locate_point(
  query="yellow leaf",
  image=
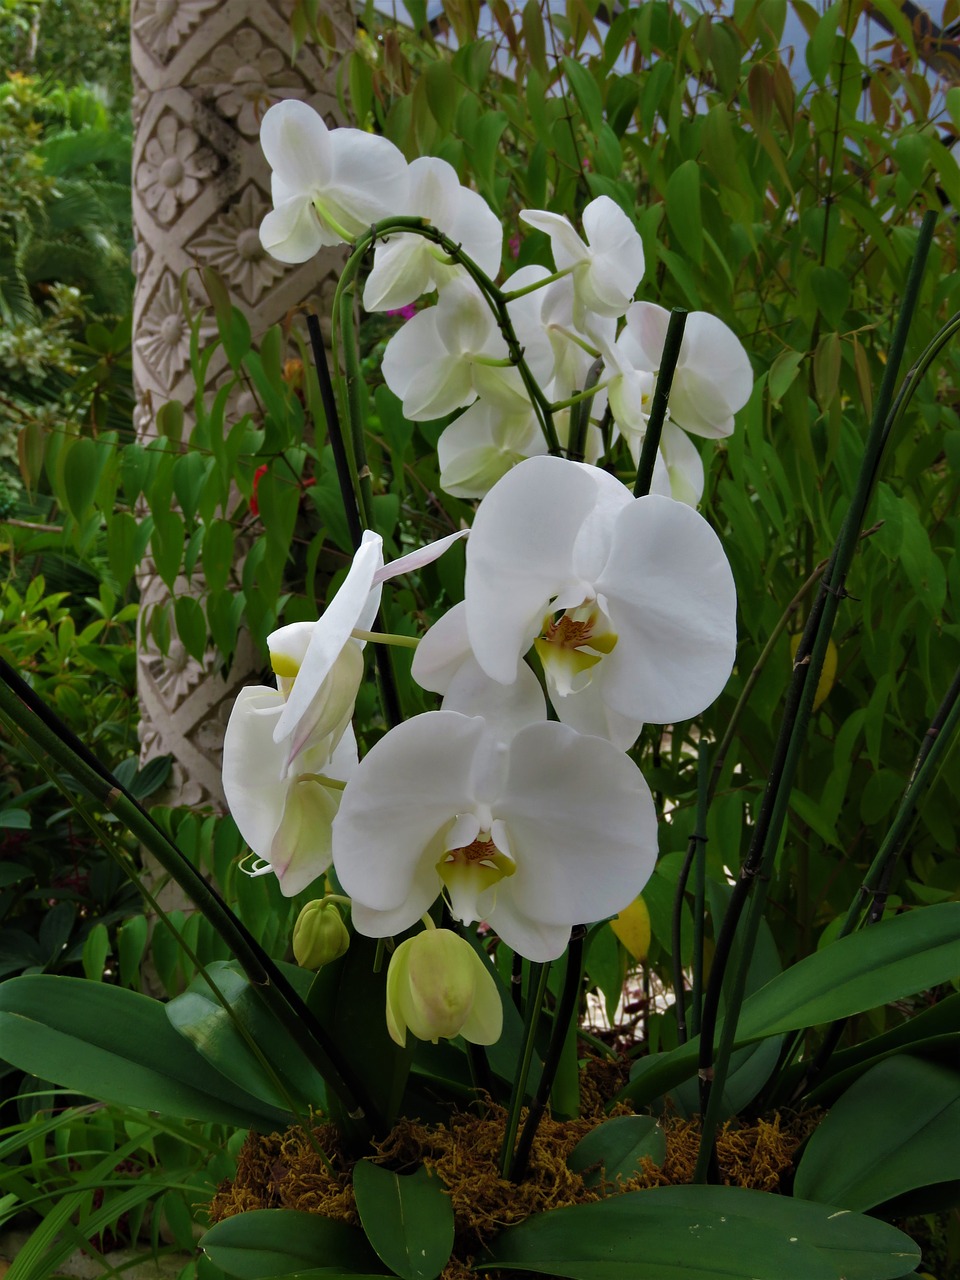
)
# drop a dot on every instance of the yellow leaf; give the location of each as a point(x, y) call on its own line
point(827, 676)
point(632, 927)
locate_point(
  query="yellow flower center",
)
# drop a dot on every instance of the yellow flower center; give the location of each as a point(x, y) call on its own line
point(572, 644)
point(469, 871)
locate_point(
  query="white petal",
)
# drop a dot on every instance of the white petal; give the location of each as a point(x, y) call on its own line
point(296, 144)
point(568, 248)
point(674, 609)
point(507, 708)
point(292, 233)
point(369, 179)
point(442, 651)
point(390, 832)
point(253, 767)
point(587, 712)
point(328, 639)
point(415, 560)
point(400, 273)
point(520, 556)
point(582, 826)
point(301, 849)
point(681, 464)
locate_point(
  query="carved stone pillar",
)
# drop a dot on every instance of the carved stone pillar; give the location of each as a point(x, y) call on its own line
point(204, 73)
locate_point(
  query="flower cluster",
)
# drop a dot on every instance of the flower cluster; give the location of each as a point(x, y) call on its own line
point(527, 821)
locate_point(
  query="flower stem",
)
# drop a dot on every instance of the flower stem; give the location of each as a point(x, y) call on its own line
point(696, 858)
point(758, 865)
point(580, 418)
point(335, 434)
point(386, 637)
point(567, 1010)
point(658, 410)
point(535, 993)
point(511, 294)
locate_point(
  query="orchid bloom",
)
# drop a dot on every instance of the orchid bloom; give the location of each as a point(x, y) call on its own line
point(328, 185)
point(287, 751)
point(449, 354)
point(533, 833)
point(481, 445)
point(629, 598)
point(606, 267)
point(713, 378)
point(406, 265)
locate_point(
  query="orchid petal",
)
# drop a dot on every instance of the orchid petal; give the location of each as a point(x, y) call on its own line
point(442, 651)
point(296, 144)
point(418, 559)
point(520, 557)
point(255, 791)
point(292, 233)
point(674, 610)
point(328, 639)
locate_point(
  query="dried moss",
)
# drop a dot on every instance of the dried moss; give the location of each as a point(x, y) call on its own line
point(286, 1171)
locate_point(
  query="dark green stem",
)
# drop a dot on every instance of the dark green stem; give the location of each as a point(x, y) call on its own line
point(535, 993)
point(39, 724)
point(808, 664)
point(658, 410)
point(567, 1010)
point(335, 434)
point(580, 415)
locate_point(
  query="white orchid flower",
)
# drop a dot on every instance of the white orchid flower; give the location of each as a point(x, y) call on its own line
point(633, 594)
point(533, 835)
point(406, 265)
point(447, 355)
point(606, 267)
point(678, 470)
point(284, 747)
point(713, 377)
point(328, 185)
point(483, 444)
point(285, 817)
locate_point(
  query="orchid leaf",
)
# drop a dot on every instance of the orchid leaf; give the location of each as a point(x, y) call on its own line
point(408, 1219)
point(265, 1243)
point(705, 1233)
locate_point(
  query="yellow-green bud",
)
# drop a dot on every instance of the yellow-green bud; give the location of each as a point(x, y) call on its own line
point(319, 935)
point(437, 985)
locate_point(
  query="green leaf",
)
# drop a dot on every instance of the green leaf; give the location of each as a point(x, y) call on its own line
point(705, 1233)
point(895, 1130)
point(81, 475)
point(170, 420)
point(821, 45)
point(279, 1242)
point(189, 476)
point(586, 92)
point(191, 625)
point(96, 947)
point(122, 547)
point(615, 1149)
point(407, 1218)
point(117, 1045)
point(895, 958)
point(199, 1016)
point(443, 93)
point(683, 208)
point(131, 945)
point(217, 554)
point(166, 545)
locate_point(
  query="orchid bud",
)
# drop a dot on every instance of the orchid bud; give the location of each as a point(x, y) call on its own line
point(319, 935)
point(437, 985)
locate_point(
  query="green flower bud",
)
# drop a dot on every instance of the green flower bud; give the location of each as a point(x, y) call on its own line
point(319, 935)
point(437, 985)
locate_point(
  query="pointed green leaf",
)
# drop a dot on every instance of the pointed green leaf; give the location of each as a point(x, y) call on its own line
point(280, 1242)
point(895, 1130)
point(117, 1045)
point(408, 1219)
point(705, 1233)
point(683, 208)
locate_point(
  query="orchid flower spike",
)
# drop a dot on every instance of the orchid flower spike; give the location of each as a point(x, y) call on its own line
point(328, 185)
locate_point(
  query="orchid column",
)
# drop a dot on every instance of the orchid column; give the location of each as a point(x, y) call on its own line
point(204, 74)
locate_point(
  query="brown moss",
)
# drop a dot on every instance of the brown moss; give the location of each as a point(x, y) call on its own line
point(287, 1170)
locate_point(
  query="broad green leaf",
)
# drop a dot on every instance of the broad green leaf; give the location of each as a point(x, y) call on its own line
point(821, 45)
point(81, 475)
point(586, 92)
point(683, 208)
point(443, 92)
point(170, 420)
point(408, 1218)
point(166, 544)
point(122, 545)
point(895, 958)
point(96, 947)
point(895, 1130)
point(278, 1242)
point(217, 554)
point(200, 1017)
point(705, 1233)
point(117, 1045)
point(191, 625)
point(614, 1150)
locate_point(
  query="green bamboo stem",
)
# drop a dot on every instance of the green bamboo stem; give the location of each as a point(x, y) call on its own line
point(758, 865)
point(33, 718)
point(535, 993)
point(658, 410)
point(567, 1011)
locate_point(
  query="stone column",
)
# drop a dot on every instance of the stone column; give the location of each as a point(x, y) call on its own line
point(204, 72)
